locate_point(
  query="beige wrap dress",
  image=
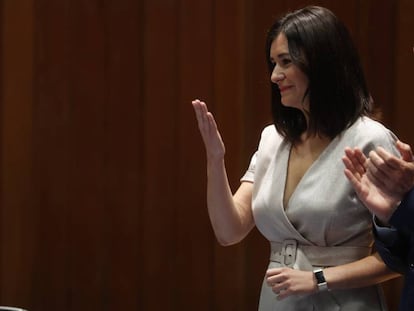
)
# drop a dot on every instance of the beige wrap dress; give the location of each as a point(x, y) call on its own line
point(324, 223)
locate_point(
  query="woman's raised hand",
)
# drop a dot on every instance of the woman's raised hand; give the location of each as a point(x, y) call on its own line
point(215, 149)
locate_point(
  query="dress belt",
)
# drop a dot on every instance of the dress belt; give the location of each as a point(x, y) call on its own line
point(286, 252)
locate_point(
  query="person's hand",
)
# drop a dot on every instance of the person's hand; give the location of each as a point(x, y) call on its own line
point(382, 180)
point(393, 175)
point(286, 282)
point(378, 202)
point(208, 128)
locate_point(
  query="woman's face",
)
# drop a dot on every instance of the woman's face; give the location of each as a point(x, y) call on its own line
point(292, 82)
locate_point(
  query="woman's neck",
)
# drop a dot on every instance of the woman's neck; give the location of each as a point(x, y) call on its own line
point(312, 143)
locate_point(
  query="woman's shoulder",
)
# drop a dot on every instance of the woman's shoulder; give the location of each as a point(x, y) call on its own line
point(269, 130)
point(366, 127)
point(368, 133)
point(270, 139)
point(270, 134)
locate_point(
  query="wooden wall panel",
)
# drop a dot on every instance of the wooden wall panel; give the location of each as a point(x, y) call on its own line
point(52, 156)
point(87, 218)
point(193, 275)
point(103, 170)
point(160, 46)
point(402, 71)
point(376, 25)
point(17, 219)
point(124, 149)
point(140, 158)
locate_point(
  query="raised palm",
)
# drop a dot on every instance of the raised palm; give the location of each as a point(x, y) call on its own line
point(213, 142)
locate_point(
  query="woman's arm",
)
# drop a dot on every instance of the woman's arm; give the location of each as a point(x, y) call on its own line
point(370, 270)
point(364, 272)
point(231, 216)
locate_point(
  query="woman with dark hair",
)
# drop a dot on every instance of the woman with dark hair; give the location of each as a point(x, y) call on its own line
point(294, 190)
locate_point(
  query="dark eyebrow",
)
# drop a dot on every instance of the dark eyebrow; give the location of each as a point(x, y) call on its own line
point(283, 55)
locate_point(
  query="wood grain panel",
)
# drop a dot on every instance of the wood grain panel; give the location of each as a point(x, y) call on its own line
point(160, 156)
point(52, 156)
point(402, 74)
point(194, 266)
point(16, 180)
point(88, 216)
point(123, 147)
point(376, 31)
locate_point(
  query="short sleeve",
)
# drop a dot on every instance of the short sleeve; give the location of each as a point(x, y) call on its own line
point(249, 175)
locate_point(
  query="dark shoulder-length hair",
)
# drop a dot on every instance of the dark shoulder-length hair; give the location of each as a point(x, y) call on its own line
point(321, 46)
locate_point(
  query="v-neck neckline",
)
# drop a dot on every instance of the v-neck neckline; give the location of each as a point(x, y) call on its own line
point(318, 159)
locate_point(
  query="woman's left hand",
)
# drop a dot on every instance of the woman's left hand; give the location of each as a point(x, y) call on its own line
point(286, 282)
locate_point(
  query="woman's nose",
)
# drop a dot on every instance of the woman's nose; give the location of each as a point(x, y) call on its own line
point(277, 76)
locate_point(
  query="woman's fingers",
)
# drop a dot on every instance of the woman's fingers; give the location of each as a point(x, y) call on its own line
point(208, 129)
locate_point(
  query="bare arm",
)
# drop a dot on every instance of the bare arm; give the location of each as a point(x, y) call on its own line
point(364, 272)
point(367, 271)
point(231, 216)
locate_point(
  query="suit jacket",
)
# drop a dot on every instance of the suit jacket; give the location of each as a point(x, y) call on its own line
point(396, 247)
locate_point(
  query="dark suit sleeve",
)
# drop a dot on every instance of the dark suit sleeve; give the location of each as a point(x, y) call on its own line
point(403, 217)
point(392, 246)
point(393, 243)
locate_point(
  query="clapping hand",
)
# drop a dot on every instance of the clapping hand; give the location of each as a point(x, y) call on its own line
point(381, 180)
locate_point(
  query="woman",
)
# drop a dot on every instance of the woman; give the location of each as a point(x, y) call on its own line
point(295, 191)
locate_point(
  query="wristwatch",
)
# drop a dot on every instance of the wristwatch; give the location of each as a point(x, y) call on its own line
point(320, 280)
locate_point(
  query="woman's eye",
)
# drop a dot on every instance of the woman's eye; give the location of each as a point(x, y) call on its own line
point(286, 61)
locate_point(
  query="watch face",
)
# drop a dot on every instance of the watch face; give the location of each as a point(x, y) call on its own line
point(319, 277)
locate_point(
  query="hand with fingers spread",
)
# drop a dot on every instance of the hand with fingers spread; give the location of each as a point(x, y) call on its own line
point(381, 180)
point(209, 132)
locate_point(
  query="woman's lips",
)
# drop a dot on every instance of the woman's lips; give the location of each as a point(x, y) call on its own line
point(284, 88)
